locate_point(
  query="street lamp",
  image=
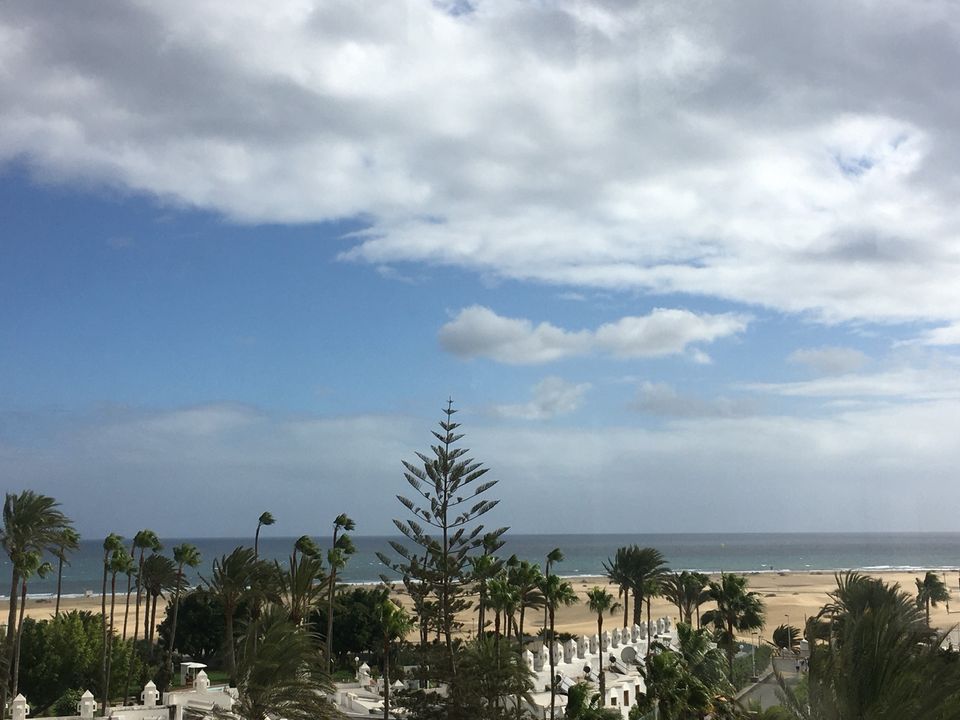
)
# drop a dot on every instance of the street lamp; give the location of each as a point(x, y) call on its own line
point(753, 654)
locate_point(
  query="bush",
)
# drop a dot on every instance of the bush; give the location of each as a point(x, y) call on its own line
point(67, 703)
point(743, 665)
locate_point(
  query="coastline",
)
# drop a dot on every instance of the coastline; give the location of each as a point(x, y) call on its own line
point(790, 597)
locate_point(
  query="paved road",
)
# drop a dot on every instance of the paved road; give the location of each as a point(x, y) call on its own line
point(766, 692)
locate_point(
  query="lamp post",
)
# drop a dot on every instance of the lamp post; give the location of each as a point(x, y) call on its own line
point(753, 654)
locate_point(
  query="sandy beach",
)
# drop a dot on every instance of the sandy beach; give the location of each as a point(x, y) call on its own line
point(788, 597)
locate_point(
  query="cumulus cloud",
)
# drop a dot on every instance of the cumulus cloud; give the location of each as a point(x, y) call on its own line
point(552, 396)
point(829, 360)
point(477, 331)
point(781, 157)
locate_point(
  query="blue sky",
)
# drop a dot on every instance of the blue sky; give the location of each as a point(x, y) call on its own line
point(655, 259)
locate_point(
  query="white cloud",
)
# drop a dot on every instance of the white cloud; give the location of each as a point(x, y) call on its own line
point(829, 360)
point(786, 158)
point(942, 336)
point(477, 331)
point(552, 397)
point(907, 383)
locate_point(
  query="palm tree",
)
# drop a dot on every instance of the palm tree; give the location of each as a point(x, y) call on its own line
point(504, 600)
point(300, 586)
point(393, 623)
point(688, 591)
point(556, 593)
point(602, 603)
point(483, 568)
point(306, 545)
point(280, 674)
point(617, 572)
point(31, 522)
point(159, 575)
point(930, 591)
point(30, 565)
point(230, 581)
point(144, 540)
point(265, 519)
point(738, 609)
point(183, 554)
point(526, 578)
point(877, 659)
point(68, 541)
point(554, 556)
point(111, 544)
point(340, 549)
point(120, 562)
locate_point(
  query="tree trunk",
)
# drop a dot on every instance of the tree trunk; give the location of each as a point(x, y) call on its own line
point(330, 593)
point(11, 635)
point(18, 637)
point(56, 610)
point(626, 606)
point(637, 607)
point(256, 543)
point(386, 679)
point(553, 670)
point(113, 602)
point(173, 624)
point(602, 681)
point(649, 636)
point(231, 649)
point(103, 650)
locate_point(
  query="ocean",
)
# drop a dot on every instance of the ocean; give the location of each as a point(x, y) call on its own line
point(585, 554)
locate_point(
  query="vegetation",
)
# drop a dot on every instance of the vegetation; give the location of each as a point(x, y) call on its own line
point(601, 602)
point(445, 534)
point(930, 591)
point(738, 610)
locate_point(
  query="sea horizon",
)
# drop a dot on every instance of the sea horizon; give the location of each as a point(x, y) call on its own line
point(585, 553)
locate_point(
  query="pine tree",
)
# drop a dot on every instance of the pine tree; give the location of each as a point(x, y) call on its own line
point(444, 531)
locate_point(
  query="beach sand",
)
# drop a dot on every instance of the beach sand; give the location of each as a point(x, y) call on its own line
point(793, 596)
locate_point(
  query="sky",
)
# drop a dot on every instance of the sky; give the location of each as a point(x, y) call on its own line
point(681, 266)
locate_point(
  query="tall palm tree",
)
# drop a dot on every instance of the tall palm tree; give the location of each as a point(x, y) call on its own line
point(526, 577)
point(144, 540)
point(111, 544)
point(306, 545)
point(187, 555)
point(31, 522)
point(393, 624)
point(159, 576)
point(738, 609)
point(340, 549)
point(616, 569)
point(556, 593)
point(504, 600)
point(688, 591)
point(930, 591)
point(120, 562)
point(602, 603)
point(230, 581)
point(280, 674)
point(30, 565)
point(67, 542)
point(265, 519)
point(554, 556)
point(483, 568)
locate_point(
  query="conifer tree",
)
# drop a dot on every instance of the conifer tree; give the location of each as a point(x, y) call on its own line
point(444, 530)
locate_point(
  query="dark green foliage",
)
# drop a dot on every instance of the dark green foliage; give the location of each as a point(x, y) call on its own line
point(355, 630)
point(881, 660)
point(64, 654)
point(280, 672)
point(583, 704)
point(743, 665)
point(200, 625)
point(67, 703)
